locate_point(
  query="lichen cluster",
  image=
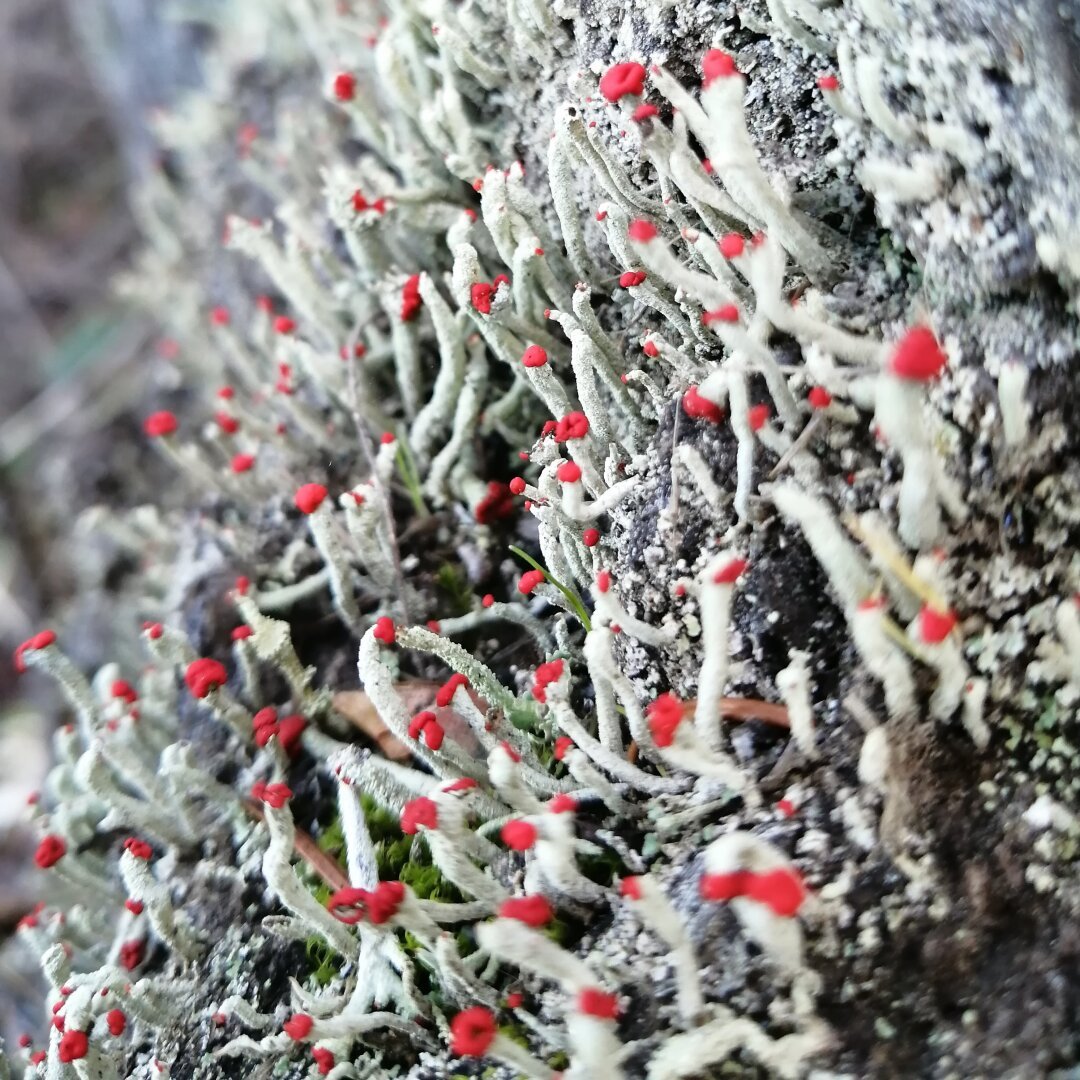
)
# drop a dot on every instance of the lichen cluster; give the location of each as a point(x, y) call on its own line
point(653, 400)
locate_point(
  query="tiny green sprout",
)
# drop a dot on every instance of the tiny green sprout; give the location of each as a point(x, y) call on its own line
point(410, 477)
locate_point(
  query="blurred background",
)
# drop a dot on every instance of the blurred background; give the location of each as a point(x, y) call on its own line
point(79, 83)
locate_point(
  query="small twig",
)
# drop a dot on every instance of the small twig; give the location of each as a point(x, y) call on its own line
point(804, 437)
point(305, 846)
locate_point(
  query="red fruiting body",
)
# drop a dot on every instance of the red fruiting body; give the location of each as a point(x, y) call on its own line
point(121, 688)
point(601, 215)
point(717, 64)
point(574, 425)
point(593, 1002)
point(701, 408)
point(25, 1041)
point(665, 715)
point(548, 428)
point(426, 724)
point(723, 886)
point(603, 581)
point(590, 537)
point(707, 165)
point(204, 675)
point(569, 472)
point(641, 230)
point(934, 625)
point(828, 82)
point(819, 397)
point(759, 416)
point(496, 504)
point(323, 1058)
point(472, 1032)
point(241, 585)
point(41, 640)
point(284, 325)
point(229, 424)
point(298, 1026)
point(534, 356)
point(445, 694)
point(515, 1000)
point(73, 1046)
point(386, 438)
point(410, 298)
point(630, 887)
point(344, 86)
point(309, 497)
point(226, 393)
point(487, 600)
point(219, 316)
point(562, 804)
point(159, 424)
point(134, 906)
point(730, 572)
point(384, 630)
point(644, 112)
point(139, 849)
point(632, 278)
point(729, 313)
point(419, 812)
point(509, 751)
point(781, 890)
point(650, 348)
point(349, 906)
point(622, 79)
point(131, 954)
point(518, 835)
point(517, 485)
point(529, 580)
point(117, 1021)
point(544, 676)
point(786, 807)
point(731, 245)
point(918, 356)
point(241, 463)
point(533, 911)
point(50, 851)
point(37, 1057)
point(480, 296)
point(466, 783)
point(275, 795)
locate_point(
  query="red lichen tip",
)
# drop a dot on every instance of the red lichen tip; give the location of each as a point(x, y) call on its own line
point(641, 230)
point(632, 278)
point(717, 64)
point(410, 298)
point(917, 356)
point(138, 849)
point(593, 1002)
point(159, 424)
point(480, 296)
point(534, 911)
point(298, 1026)
point(487, 600)
point(49, 851)
point(472, 1032)
point(665, 715)
point(569, 472)
point(819, 397)
point(935, 625)
point(701, 408)
point(563, 745)
point(242, 463)
point(721, 887)
point(729, 313)
point(41, 640)
point(386, 438)
point(445, 694)
point(529, 580)
point(309, 498)
point(590, 537)
point(781, 890)
point(630, 888)
point(496, 504)
point(731, 245)
point(644, 112)
point(204, 675)
point(73, 1046)
point(384, 630)
point(574, 425)
point(219, 316)
point(828, 82)
point(603, 581)
point(228, 424)
point(517, 485)
point(759, 416)
point(544, 676)
point(131, 954)
point(419, 812)
point(650, 349)
point(534, 356)
point(730, 572)
point(344, 86)
point(562, 804)
point(621, 80)
point(324, 1059)
point(518, 835)
point(284, 325)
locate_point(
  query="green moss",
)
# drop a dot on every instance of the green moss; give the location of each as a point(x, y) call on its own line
point(454, 586)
